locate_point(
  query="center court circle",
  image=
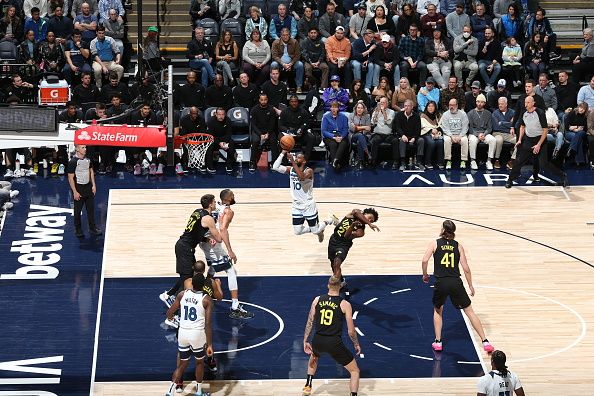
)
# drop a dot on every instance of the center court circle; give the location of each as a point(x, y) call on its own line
point(281, 327)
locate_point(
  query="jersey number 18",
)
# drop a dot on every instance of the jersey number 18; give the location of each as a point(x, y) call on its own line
point(190, 313)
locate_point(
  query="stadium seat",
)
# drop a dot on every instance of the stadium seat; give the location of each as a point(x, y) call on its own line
point(211, 28)
point(239, 117)
point(8, 51)
point(272, 6)
point(236, 29)
point(209, 114)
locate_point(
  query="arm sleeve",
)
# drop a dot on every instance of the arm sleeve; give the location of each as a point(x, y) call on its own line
point(276, 166)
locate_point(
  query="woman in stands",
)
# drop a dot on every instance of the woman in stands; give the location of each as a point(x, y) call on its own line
point(383, 89)
point(11, 26)
point(226, 55)
point(431, 133)
point(256, 55)
point(576, 125)
point(27, 56)
point(402, 92)
point(49, 54)
point(512, 56)
point(360, 132)
point(408, 17)
point(357, 94)
point(536, 56)
point(255, 22)
point(381, 24)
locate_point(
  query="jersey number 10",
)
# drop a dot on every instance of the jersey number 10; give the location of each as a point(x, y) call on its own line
point(448, 260)
point(326, 316)
point(296, 186)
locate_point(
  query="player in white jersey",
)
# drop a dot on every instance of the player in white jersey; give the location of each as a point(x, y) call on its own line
point(195, 331)
point(220, 260)
point(304, 204)
point(500, 381)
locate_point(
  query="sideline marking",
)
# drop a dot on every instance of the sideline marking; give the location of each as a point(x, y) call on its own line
point(370, 301)
point(359, 332)
point(400, 291)
point(382, 346)
point(421, 357)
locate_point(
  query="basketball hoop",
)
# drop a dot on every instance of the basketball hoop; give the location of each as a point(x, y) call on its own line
point(197, 144)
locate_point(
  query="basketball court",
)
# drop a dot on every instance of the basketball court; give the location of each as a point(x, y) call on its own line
point(96, 328)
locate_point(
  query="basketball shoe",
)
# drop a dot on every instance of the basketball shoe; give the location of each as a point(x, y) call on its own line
point(166, 299)
point(240, 313)
point(437, 346)
point(211, 363)
point(487, 346)
point(173, 322)
point(306, 390)
point(321, 236)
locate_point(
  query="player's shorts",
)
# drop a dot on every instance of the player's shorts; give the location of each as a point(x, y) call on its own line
point(223, 264)
point(308, 212)
point(191, 342)
point(184, 259)
point(333, 346)
point(337, 251)
point(452, 287)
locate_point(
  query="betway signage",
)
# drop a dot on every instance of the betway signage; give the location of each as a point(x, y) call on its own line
point(121, 135)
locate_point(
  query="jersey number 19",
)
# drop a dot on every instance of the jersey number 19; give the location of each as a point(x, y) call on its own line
point(326, 316)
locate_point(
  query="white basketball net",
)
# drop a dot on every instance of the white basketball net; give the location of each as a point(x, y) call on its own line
point(197, 150)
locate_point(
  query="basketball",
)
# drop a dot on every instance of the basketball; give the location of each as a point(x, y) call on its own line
point(287, 142)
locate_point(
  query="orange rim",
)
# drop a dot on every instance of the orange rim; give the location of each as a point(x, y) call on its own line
point(201, 138)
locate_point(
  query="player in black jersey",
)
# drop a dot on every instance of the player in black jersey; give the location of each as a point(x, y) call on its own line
point(350, 227)
point(327, 313)
point(448, 255)
point(200, 223)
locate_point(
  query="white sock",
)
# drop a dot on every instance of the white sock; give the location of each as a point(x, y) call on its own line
point(234, 303)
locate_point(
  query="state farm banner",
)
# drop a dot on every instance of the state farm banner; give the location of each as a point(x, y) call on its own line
point(121, 135)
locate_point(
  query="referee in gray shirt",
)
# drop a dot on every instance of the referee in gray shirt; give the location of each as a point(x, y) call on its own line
point(81, 179)
point(532, 140)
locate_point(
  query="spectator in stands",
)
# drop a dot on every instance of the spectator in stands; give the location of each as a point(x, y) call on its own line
point(423, 5)
point(106, 6)
point(201, 9)
point(387, 57)
point(85, 92)
point(76, 54)
point(500, 7)
point(229, 9)
point(412, 53)
point(380, 24)
point(358, 22)
point(567, 92)
point(536, 56)
point(115, 86)
point(144, 89)
point(117, 108)
point(382, 119)
point(226, 56)
point(470, 97)
point(586, 94)
point(489, 56)
point(306, 23)
point(61, 26)
point(427, 94)
point(11, 26)
point(362, 60)
point(330, 22)
point(50, 54)
point(313, 54)
point(256, 22)
point(72, 114)
point(294, 120)
point(335, 131)
point(409, 17)
point(26, 55)
point(431, 134)
point(583, 64)
point(41, 5)
point(151, 53)
point(86, 23)
point(402, 92)
point(547, 92)
point(454, 125)
point(285, 56)
point(465, 51)
point(480, 129)
point(280, 21)
point(256, 54)
point(76, 8)
point(297, 8)
point(372, 6)
point(511, 57)
point(503, 131)
point(494, 95)
point(200, 54)
point(143, 116)
point(245, 94)
point(438, 52)
point(480, 21)
point(23, 90)
point(591, 138)
point(357, 94)
point(338, 52)
point(382, 89)
point(191, 94)
point(432, 21)
point(335, 94)
point(407, 129)
point(276, 90)
point(452, 91)
point(37, 24)
point(540, 24)
point(511, 24)
point(106, 56)
point(114, 28)
point(360, 129)
point(264, 130)
point(456, 20)
point(52, 7)
point(218, 94)
point(576, 125)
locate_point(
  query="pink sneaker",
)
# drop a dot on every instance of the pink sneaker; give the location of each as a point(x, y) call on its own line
point(437, 346)
point(137, 170)
point(488, 347)
point(152, 169)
